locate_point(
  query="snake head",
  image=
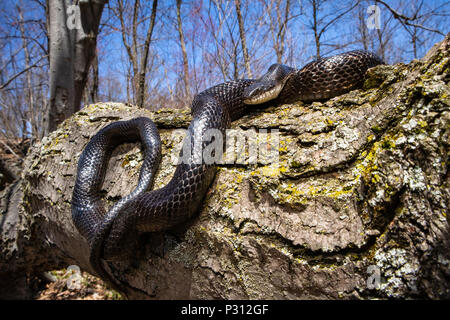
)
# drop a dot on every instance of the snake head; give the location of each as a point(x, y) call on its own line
point(269, 86)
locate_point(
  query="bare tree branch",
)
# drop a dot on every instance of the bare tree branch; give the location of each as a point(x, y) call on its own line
point(7, 82)
point(187, 87)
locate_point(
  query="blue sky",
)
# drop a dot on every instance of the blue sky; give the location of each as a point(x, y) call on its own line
point(170, 54)
point(166, 72)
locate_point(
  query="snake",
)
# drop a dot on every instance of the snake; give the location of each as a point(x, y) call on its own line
point(113, 235)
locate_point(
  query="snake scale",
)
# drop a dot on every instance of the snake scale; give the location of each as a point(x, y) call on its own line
point(113, 235)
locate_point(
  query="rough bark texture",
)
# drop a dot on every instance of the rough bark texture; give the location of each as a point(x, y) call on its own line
point(361, 190)
point(72, 33)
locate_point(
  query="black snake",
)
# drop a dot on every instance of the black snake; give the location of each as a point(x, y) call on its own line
point(112, 234)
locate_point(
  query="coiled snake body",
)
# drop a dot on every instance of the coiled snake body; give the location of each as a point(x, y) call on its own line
point(112, 234)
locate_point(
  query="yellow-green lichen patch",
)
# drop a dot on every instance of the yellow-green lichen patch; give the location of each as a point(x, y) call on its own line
point(132, 160)
point(227, 190)
point(292, 194)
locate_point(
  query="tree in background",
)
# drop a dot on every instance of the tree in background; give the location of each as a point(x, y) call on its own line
point(23, 71)
point(138, 53)
point(187, 87)
point(161, 54)
point(72, 33)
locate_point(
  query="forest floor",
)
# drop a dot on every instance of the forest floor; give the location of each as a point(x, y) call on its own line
point(67, 284)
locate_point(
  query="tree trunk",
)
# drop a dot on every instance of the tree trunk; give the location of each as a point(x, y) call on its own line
point(95, 80)
point(72, 42)
point(139, 66)
point(278, 25)
point(187, 87)
point(237, 4)
point(355, 207)
point(144, 57)
point(315, 28)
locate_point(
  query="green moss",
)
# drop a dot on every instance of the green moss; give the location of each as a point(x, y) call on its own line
point(387, 144)
point(126, 161)
point(283, 146)
point(370, 138)
point(377, 129)
point(422, 123)
point(293, 194)
point(296, 164)
point(347, 188)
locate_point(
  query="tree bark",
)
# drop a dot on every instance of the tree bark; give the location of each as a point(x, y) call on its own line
point(72, 42)
point(6, 174)
point(356, 206)
point(93, 92)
